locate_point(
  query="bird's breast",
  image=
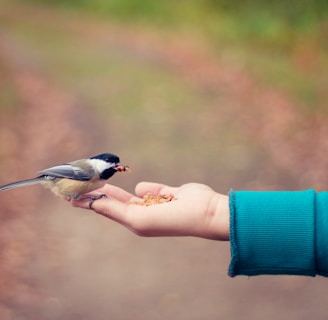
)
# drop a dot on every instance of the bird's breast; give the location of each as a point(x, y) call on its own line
point(68, 188)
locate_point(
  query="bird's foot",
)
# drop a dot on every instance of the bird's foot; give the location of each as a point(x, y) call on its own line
point(92, 198)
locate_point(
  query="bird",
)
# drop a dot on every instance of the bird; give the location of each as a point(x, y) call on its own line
point(72, 180)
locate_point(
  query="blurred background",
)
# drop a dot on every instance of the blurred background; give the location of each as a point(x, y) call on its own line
point(227, 93)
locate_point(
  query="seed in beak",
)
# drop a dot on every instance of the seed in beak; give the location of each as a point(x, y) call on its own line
point(121, 168)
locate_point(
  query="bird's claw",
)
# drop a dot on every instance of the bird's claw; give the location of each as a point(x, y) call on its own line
point(94, 198)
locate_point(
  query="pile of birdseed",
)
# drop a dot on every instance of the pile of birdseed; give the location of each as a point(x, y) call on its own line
point(149, 199)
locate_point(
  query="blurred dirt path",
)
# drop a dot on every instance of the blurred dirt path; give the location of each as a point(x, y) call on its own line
point(296, 140)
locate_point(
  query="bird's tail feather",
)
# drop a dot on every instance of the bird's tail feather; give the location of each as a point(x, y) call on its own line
point(22, 183)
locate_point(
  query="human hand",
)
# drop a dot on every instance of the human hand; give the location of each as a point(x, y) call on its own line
point(197, 210)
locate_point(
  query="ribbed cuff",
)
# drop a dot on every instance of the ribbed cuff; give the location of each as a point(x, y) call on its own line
point(322, 233)
point(272, 233)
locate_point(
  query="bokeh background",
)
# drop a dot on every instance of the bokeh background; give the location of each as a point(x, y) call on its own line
point(232, 94)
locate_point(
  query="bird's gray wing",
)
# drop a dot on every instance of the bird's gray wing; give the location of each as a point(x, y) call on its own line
point(67, 171)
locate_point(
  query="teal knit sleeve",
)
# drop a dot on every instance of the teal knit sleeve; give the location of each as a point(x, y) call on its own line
point(276, 233)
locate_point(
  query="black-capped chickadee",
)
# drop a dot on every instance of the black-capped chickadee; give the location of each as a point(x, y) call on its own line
point(74, 179)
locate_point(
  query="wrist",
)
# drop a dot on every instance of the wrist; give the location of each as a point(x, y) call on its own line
point(220, 216)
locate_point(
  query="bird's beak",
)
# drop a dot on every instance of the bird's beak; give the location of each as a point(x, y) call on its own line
point(121, 168)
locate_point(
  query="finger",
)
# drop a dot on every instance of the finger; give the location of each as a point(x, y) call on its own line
point(132, 217)
point(111, 208)
point(108, 207)
point(143, 188)
point(144, 221)
point(115, 192)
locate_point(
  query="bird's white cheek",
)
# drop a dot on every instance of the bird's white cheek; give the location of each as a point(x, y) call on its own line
point(99, 165)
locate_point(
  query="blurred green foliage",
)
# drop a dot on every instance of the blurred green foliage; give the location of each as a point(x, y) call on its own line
point(251, 16)
point(274, 25)
point(283, 43)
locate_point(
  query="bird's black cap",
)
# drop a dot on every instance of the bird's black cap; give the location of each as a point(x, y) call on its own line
point(108, 157)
